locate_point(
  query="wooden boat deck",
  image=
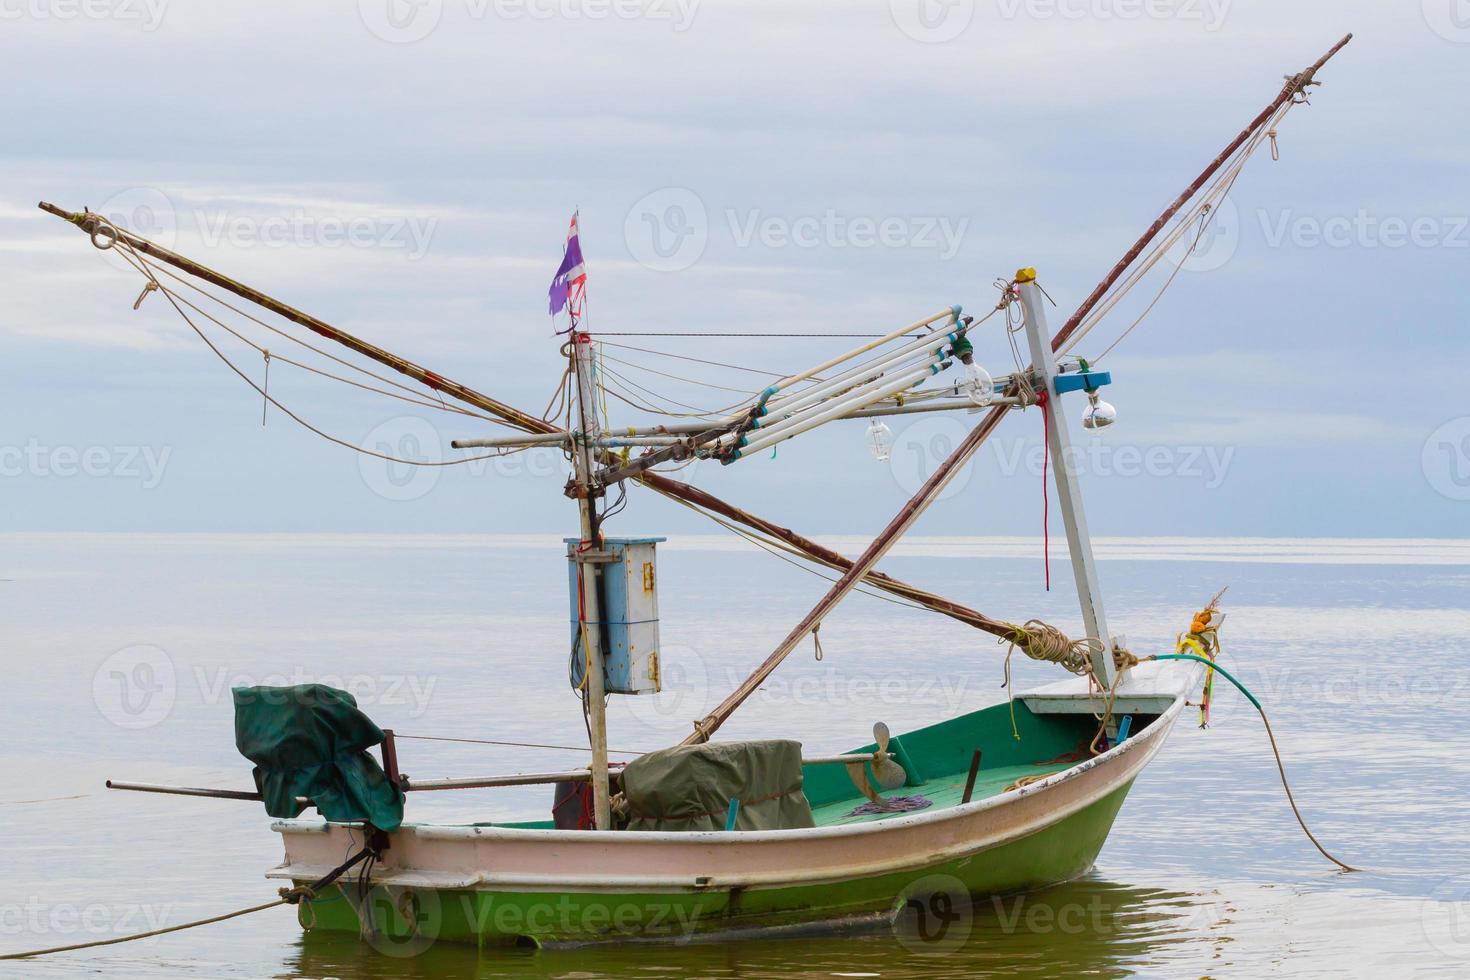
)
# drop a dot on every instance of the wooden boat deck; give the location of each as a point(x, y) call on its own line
point(945, 790)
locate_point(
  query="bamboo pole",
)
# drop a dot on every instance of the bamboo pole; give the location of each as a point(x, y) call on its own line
point(1294, 85)
point(94, 224)
point(881, 545)
point(822, 554)
point(673, 489)
point(909, 513)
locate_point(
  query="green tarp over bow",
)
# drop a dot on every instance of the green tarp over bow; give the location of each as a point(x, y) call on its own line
point(311, 740)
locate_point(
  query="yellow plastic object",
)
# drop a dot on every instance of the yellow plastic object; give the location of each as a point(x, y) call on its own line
point(1027, 274)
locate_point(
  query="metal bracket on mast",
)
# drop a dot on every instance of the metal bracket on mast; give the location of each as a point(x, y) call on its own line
point(1069, 494)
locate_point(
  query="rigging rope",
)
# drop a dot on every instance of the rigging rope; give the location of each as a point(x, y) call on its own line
point(146, 268)
point(416, 393)
point(1205, 205)
point(518, 745)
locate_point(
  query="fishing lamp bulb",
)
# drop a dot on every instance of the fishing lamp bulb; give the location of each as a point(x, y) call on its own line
point(1099, 414)
point(979, 385)
point(880, 440)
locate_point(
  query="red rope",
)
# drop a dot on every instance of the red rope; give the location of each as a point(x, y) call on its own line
point(1045, 497)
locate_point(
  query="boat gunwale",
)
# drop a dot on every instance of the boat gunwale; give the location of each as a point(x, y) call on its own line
point(1150, 740)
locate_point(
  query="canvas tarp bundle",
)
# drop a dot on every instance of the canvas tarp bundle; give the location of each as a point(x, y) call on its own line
point(311, 740)
point(690, 787)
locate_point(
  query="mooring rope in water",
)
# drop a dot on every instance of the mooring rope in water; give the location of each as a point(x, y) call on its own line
point(289, 896)
point(1269, 735)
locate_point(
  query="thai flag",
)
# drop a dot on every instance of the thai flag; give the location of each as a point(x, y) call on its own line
point(569, 287)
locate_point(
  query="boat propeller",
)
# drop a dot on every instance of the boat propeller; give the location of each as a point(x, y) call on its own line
point(887, 773)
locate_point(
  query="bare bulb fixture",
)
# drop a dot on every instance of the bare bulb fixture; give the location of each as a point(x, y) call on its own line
point(979, 386)
point(880, 440)
point(1099, 414)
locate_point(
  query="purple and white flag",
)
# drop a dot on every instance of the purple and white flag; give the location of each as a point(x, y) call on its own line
point(569, 287)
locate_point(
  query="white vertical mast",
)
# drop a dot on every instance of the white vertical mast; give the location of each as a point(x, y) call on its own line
point(1069, 494)
point(582, 450)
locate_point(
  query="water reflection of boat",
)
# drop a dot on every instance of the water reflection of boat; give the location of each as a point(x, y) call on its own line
point(1089, 927)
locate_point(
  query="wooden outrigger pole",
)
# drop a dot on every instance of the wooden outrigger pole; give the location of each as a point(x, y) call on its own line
point(95, 224)
point(1295, 87)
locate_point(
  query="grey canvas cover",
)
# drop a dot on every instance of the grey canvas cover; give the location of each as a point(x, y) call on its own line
point(690, 787)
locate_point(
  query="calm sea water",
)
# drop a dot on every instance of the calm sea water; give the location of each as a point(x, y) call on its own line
point(120, 651)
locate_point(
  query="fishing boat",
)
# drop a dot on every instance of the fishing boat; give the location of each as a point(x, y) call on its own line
point(712, 838)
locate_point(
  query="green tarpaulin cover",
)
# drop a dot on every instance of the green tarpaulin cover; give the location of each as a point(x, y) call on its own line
point(311, 740)
point(690, 787)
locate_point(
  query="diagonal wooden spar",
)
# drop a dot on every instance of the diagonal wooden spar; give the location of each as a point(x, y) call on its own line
point(94, 224)
point(823, 555)
point(1295, 86)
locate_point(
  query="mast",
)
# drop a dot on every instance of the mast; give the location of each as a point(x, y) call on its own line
point(1295, 88)
point(590, 609)
point(1069, 493)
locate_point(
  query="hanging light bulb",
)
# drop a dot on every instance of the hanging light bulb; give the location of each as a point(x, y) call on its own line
point(1099, 414)
point(979, 386)
point(880, 440)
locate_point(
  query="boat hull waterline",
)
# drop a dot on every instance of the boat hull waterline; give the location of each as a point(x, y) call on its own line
point(494, 885)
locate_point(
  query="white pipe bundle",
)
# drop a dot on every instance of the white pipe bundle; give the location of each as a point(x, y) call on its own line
point(879, 389)
point(934, 341)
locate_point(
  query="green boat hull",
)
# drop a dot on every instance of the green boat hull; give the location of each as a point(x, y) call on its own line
point(924, 903)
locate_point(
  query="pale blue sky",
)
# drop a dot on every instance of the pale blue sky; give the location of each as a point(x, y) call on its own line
point(415, 190)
